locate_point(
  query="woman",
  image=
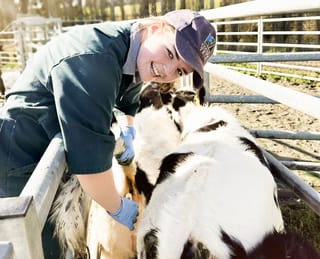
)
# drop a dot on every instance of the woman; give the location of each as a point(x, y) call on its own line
point(77, 81)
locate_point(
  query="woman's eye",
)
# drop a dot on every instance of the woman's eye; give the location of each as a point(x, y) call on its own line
point(170, 54)
point(180, 73)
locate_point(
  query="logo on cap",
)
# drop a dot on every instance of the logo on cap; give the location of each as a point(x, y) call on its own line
point(207, 47)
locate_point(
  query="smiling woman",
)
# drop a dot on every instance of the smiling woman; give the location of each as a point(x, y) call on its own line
point(158, 59)
point(101, 66)
point(172, 47)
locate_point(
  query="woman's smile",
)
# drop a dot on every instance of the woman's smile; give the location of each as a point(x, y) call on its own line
point(155, 70)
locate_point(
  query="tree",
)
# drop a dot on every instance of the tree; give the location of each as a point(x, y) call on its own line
point(23, 8)
point(103, 7)
point(153, 7)
point(200, 5)
point(183, 4)
point(8, 12)
point(144, 8)
point(318, 29)
point(121, 3)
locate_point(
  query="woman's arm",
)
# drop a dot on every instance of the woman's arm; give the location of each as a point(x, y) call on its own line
point(102, 189)
point(125, 120)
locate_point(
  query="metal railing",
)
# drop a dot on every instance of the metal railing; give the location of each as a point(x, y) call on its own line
point(24, 36)
point(22, 218)
point(292, 98)
point(284, 51)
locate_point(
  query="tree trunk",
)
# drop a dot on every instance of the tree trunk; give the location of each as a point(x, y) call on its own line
point(200, 5)
point(144, 8)
point(183, 4)
point(154, 7)
point(2, 88)
point(211, 4)
point(103, 6)
point(79, 10)
point(112, 13)
point(164, 6)
point(318, 29)
point(24, 6)
point(122, 9)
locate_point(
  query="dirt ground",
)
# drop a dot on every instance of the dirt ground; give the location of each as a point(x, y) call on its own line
point(297, 216)
point(276, 117)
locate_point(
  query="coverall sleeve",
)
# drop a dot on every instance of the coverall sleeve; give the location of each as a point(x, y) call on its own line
point(129, 102)
point(85, 89)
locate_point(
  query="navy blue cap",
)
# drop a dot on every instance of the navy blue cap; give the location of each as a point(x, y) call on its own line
point(195, 40)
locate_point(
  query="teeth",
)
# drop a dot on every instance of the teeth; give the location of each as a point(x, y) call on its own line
point(155, 70)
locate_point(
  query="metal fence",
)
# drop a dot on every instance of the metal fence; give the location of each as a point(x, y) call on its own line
point(256, 14)
point(266, 41)
point(22, 218)
point(24, 36)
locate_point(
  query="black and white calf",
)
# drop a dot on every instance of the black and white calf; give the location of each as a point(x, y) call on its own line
point(156, 136)
point(214, 187)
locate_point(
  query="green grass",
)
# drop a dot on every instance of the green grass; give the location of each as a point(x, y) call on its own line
point(300, 219)
point(275, 77)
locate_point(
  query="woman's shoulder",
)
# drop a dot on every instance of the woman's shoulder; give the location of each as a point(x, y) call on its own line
point(99, 38)
point(120, 28)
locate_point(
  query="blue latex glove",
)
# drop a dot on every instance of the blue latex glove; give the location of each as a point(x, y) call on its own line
point(127, 135)
point(127, 213)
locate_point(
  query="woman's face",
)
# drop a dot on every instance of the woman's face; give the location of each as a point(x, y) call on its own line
point(157, 59)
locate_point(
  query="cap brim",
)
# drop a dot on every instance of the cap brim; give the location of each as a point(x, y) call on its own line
point(188, 54)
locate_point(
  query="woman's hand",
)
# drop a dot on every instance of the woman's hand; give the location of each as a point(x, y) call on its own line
point(127, 134)
point(127, 213)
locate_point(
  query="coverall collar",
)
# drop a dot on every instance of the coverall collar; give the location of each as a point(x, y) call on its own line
point(129, 67)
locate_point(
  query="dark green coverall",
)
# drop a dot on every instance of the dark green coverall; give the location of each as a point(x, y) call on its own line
point(72, 85)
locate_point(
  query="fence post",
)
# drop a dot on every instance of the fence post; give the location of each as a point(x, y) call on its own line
point(19, 225)
point(45, 179)
point(6, 250)
point(206, 83)
point(19, 37)
point(260, 42)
